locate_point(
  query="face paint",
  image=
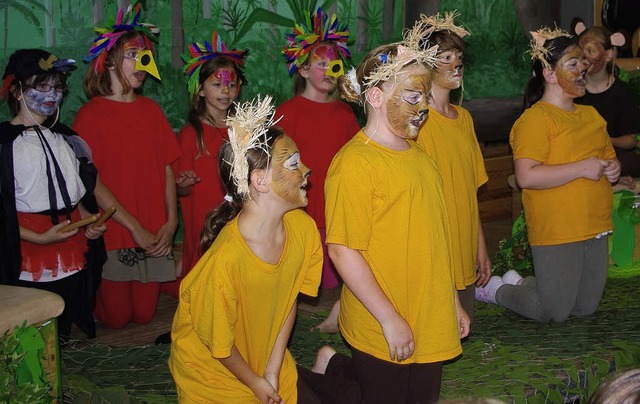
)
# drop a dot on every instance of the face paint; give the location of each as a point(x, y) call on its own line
point(220, 89)
point(594, 52)
point(407, 104)
point(43, 103)
point(570, 72)
point(137, 42)
point(226, 76)
point(316, 71)
point(450, 69)
point(289, 175)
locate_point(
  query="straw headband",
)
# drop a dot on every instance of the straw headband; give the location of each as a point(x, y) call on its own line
point(538, 50)
point(200, 53)
point(248, 130)
point(109, 34)
point(317, 28)
point(437, 23)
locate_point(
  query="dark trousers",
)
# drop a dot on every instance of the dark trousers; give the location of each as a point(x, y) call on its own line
point(72, 289)
point(366, 379)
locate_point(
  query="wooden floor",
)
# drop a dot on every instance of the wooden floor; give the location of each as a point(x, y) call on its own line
point(145, 334)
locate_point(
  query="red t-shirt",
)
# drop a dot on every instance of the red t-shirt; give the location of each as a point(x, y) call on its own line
point(319, 129)
point(132, 143)
point(206, 194)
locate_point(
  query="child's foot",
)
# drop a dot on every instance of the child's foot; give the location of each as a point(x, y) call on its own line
point(330, 324)
point(487, 293)
point(511, 277)
point(322, 359)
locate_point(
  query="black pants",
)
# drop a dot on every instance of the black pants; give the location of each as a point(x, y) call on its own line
point(73, 290)
point(366, 379)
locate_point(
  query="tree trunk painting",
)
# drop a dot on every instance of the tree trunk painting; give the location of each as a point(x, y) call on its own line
point(535, 14)
point(206, 9)
point(387, 19)
point(413, 9)
point(98, 12)
point(177, 31)
point(362, 37)
point(50, 24)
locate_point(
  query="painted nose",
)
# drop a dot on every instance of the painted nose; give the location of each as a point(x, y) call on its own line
point(225, 90)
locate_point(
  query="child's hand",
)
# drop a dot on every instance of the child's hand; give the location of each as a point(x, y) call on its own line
point(265, 392)
point(144, 238)
point(94, 232)
point(592, 168)
point(612, 170)
point(399, 338)
point(55, 235)
point(185, 180)
point(464, 323)
point(163, 242)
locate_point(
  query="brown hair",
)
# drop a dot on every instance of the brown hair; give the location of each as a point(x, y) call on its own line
point(198, 104)
point(258, 159)
point(99, 83)
point(622, 387)
point(370, 62)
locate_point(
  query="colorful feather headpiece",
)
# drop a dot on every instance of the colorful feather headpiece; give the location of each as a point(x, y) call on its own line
point(434, 23)
point(317, 28)
point(109, 34)
point(538, 50)
point(199, 53)
point(248, 130)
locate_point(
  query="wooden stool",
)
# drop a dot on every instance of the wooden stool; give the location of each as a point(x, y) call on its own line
point(40, 309)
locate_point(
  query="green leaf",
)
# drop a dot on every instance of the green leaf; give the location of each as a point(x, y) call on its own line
point(259, 15)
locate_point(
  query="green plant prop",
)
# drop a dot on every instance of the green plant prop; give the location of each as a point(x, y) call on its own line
point(514, 252)
point(22, 377)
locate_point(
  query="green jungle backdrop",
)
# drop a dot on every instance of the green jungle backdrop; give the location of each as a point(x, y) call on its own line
point(496, 65)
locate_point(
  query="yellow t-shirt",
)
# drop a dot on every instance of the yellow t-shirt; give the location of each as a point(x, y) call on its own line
point(233, 297)
point(453, 145)
point(389, 205)
point(580, 209)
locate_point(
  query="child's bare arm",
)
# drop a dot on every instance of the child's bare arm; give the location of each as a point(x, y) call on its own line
point(53, 235)
point(164, 239)
point(483, 264)
point(272, 370)
point(533, 174)
point(262, 389)
point(356, 273)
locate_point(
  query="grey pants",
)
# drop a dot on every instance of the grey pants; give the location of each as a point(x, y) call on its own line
point(569, 281)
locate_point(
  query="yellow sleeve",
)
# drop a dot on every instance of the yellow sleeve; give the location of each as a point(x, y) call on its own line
point(349, 189)
point(314, 270)
point(213, 307)
point(529, 136)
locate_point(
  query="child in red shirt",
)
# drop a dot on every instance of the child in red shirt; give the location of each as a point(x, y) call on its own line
point(319, 123)
point(215, 77)
point(133, 148)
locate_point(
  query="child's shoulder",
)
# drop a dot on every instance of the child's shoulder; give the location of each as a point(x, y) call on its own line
point(300, 217)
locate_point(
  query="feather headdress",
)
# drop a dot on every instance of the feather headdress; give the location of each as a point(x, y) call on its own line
point(125, 21)
point(318, 27)
point(435, 23)
point(538, 50)
point(411, 49)
point(199, 53)
point(248, 130)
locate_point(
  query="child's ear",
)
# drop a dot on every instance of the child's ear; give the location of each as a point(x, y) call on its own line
point(260, 180)
point(304, 71)
point(549, 75)
point(375, 96)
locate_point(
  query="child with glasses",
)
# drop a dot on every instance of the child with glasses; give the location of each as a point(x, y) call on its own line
point(47, 181)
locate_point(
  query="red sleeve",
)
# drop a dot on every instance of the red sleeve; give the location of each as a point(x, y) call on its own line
point(168, 137)
point(287, 122)
point(85, 123)
point(189, 149)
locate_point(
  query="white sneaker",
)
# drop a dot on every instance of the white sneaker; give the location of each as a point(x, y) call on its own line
point(487, 293)
point(511, 277)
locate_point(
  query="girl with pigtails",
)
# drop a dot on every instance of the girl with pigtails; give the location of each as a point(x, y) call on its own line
point(238, 304)
point(565, 164)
